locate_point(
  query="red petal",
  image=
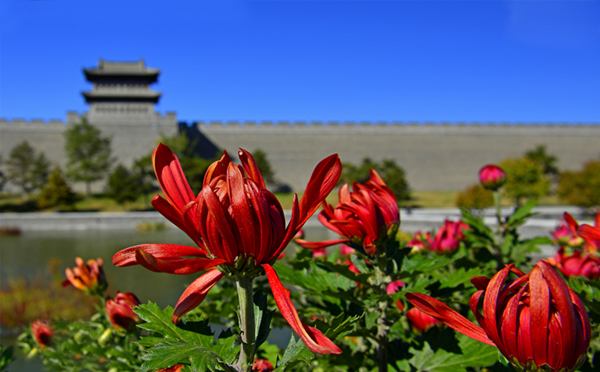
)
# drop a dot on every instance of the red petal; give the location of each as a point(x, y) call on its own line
point(290, 233)
point(322, 181)
point(241, 211)
point(126, 257)
point(181, 266)
point(170, 177)
point(480, 282)
point(591, 234)
point(491, 307)
point(319, 245)
point(216, 169)
point(174, 216)
point(251, 168)
point(561, 300)
point(312, 337)
point(449, 317)
point(540, 315)
point(573, 225)
point(195, 293)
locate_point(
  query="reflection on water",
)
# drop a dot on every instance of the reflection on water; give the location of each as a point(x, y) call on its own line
point(28, 254)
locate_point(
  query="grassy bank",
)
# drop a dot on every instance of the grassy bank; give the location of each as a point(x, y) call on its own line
point(101, 203)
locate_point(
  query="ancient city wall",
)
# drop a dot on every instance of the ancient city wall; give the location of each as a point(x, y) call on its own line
point(435, 156)
point(130, 140)
point(440, 156)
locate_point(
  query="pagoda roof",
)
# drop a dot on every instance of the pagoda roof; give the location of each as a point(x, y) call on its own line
point(149, 95)
point(121, 69)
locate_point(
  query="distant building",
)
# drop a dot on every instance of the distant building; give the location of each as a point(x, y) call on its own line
point(121, 93)
point(436, 156)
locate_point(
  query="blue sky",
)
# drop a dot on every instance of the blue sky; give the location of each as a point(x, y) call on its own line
point(502, 61)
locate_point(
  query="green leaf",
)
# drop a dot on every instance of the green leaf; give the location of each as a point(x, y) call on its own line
point(418, 264)
point(459, 276)
point(167, 355)
point(295, 353)
point(474, 354)
point(521, 214)
point(345, 271)
point(262, 318)
point(189, 342)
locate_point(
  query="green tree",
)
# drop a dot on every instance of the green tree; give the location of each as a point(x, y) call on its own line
point(123, 186)
point(88, 154)
point(142, 170)
point(26, 169)
point(264, 165)
point(56, 192)
point(524, 179)
point(391, 173)
point(545, 160)
point(581, 188)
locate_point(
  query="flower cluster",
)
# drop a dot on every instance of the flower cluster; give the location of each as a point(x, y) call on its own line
point(446, 240)
point(88, 277)
point(367, 217)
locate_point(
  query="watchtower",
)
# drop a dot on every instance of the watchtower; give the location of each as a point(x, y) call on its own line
point(121, 92)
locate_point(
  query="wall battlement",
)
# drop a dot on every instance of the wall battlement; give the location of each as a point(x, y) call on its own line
point(268, 123)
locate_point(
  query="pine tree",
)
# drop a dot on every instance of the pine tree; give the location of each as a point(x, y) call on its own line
point(26, 169)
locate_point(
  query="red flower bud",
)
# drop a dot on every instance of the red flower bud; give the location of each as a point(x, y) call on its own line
point(262, 365)
point(492, 177)
point(42, 332)
point(120, 313)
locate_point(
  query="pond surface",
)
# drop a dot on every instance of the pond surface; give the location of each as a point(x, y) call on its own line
point(27, 255)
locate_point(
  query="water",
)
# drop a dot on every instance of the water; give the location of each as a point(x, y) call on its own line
point(28, 254)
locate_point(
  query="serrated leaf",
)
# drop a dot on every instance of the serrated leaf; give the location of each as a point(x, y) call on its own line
point(419, 264)
point(159, 321)
point(167, 354)
point(459, 276)
point(474, 354)
point(295, 352)
point(341, 326)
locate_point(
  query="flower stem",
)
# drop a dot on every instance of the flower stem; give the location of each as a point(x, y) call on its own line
point(247, 323)
point(383, 326)
point(498, 209)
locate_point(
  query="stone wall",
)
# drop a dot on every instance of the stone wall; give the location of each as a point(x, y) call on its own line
point(435, 156)
point(130, 139)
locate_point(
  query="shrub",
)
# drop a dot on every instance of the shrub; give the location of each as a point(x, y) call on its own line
point(475, 197)
point(581, 188)
point(56, 193)
point(525, 179)
point(123, 186)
